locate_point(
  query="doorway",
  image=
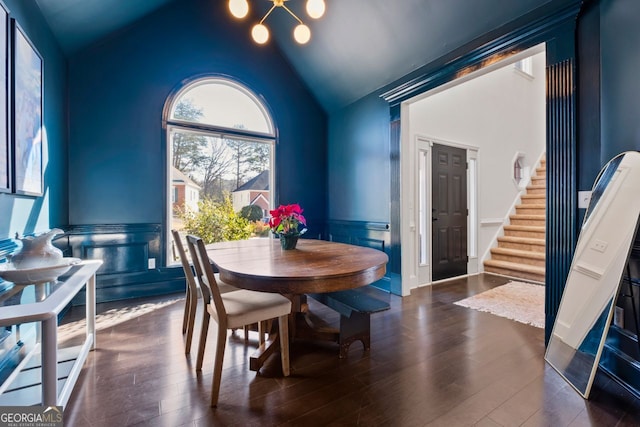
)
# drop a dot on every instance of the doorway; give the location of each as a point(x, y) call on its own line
point(445, 180)
point(501, 111)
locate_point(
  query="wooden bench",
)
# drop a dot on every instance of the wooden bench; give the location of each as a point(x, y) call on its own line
point(355, 307)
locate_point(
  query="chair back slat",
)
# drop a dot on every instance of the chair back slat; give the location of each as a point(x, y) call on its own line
point(208, 283)
point(188, 272)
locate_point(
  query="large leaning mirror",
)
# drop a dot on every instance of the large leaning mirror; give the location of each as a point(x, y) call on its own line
point(593, 282)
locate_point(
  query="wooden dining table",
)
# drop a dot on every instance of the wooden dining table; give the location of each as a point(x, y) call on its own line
point(315, 266)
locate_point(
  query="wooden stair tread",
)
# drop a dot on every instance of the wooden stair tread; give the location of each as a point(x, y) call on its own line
point(518, 253)
point(538, 228)
point(532, 206)
point(514, 266)
point(533, 196)
point(527, 240)
point(527, 216)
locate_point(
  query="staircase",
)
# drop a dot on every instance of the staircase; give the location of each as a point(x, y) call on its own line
point(521, 251)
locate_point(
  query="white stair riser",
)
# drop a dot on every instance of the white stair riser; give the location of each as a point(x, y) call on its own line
point(520, 274)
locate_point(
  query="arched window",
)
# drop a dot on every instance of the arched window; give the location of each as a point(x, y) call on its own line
point(223, 104)
point(220, 152)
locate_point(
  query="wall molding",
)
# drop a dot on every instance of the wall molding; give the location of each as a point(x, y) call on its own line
point(532, 30)
point(125, 250)
point(369, 234)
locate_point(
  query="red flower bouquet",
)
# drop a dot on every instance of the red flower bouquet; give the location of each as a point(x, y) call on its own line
point(286, 219)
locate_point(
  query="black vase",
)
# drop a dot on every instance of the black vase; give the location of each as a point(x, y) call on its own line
point(288, 242)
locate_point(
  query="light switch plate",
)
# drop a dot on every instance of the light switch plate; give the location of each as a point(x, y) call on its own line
point(599, 245)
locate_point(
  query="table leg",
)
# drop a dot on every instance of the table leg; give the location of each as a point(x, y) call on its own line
point(303, 327)
point(91, 309)
point(49, 361)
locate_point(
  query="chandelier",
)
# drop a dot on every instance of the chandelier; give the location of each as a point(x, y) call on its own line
point(260, 32)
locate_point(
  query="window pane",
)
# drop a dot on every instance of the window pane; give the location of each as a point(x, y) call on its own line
point(207, 166)
point(223, 104)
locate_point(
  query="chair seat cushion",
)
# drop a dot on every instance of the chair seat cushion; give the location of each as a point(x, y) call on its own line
point(245, 307)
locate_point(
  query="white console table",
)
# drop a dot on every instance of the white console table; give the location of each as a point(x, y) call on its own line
point(46, 352)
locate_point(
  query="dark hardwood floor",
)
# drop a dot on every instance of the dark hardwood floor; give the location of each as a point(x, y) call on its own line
point(431, 363)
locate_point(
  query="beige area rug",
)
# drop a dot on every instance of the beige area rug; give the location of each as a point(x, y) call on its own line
point(519, 301)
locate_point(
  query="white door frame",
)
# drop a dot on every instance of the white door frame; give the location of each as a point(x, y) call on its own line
point(415, 274)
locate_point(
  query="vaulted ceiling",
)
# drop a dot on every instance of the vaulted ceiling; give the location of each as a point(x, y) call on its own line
point(358, 47)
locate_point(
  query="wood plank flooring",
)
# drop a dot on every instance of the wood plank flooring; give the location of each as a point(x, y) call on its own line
point(431, 363)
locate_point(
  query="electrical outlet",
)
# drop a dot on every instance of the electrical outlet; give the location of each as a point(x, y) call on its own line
point(152, 263)
point(584, 197)
point(618, 317)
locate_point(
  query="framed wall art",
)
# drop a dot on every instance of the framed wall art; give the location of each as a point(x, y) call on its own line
point(27, 115)
point(5, 146)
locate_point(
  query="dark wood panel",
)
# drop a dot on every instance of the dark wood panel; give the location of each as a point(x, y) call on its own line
point(459, 246)
point(441, 244)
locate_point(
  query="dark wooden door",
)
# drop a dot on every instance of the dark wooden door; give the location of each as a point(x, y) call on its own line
point(449, 212)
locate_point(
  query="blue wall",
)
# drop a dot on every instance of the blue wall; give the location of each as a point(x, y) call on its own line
point(359, 177)
point(620, 39)
point(117, 90)
point(28, 214)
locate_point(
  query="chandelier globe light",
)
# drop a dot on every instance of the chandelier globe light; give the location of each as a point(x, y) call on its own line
point(302, 34)
point(315, 8)
point(239, 8)
point(260, 32)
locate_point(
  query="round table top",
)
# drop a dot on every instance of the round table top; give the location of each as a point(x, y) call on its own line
point(314, 266)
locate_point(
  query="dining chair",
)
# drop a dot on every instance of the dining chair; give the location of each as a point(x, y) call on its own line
point(233, 310)
point(193, 293)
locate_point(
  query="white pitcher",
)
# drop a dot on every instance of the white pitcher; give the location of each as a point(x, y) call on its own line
point(38, 251)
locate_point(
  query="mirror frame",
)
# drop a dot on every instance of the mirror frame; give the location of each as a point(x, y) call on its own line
point(602, 252)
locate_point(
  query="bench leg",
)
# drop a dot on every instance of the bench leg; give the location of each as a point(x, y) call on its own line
point(354, 328)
